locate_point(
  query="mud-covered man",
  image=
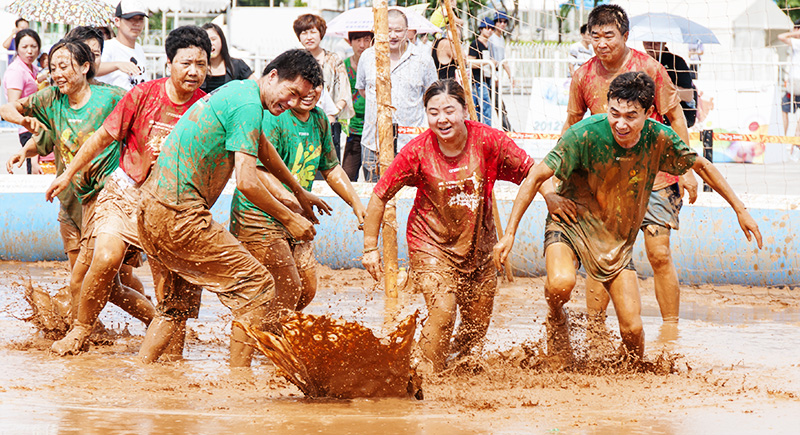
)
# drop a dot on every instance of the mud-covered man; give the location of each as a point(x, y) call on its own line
point(607, 164)
point(220, 133)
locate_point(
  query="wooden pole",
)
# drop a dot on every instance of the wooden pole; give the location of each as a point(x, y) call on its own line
point(465, 82)
point(383, 90)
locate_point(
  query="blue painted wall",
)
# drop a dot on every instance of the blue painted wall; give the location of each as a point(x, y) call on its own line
point(709, 248)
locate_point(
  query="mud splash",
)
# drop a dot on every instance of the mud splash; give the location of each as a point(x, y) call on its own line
point(327, 357)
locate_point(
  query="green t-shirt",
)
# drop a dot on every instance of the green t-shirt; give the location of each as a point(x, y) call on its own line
point(359, 103)
point(611, 186)
point(304, 147)
point(197, 157)
point(70, 128)
point(70, 205)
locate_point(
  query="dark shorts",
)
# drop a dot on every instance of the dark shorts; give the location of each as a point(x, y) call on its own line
point(663, 211)
point(788, 101)
point(553, 236)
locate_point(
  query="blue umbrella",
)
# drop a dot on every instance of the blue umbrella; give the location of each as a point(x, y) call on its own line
point(661, 27)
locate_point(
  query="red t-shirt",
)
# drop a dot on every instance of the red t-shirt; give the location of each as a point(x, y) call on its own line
point(451, 219)
point(142, 120)
point(589, 91)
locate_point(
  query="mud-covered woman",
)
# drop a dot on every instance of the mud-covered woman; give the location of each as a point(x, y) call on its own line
point(450, 231)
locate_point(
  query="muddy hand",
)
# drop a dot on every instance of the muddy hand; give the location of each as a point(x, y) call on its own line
point(15, 160)
point(750, 228)
point(372, 263)
point(308, 201)
point(361, 214)
point(688, 182)
point(56, 187)
point(501, 250)
point(301, 229)
point(31, 124)
point(561, 209)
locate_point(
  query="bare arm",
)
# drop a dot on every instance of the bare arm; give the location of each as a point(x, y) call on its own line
point(686, 95)
point(129, 68)
point(372, 226)
point(340, 183)
point(362, 93)
point(88, 151)
point(711, 175)
point(527, 190)
point(12, 112)
point(14, 95)
point(787, 36)
point(27, 152)
point(7, 42)
point(687, 181)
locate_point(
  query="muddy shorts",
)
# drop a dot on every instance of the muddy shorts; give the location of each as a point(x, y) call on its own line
point(432, 277)
point(663, 211)
point(70, 233)
point(302, 252)
point(87, 231)
point(191, 251)
point(115, 212)
point(555, 236)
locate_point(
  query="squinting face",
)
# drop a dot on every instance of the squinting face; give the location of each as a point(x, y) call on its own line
point(281, 95)
point(131, 27)
point(627, 120)
point(94, 46)
point(360, 44)
point(66, 73)
point(310, 38)
point(308, 102)
point(216, 43)
point(28, 50)
point(445, 116)
point(398, 33)
point(608, 43)
point(188, 68)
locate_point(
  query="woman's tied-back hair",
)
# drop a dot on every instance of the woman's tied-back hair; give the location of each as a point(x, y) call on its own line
point(296, 63)
point(604, 15)
point(448, 87)
point(633, 86)
point(81, 53)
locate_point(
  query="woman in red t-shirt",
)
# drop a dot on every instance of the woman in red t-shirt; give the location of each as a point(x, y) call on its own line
point(450, 233)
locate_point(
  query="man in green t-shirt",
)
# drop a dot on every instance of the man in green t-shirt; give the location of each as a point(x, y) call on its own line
point(351, 157)
point(302, 137)
point(607, 164)
point(186, 247)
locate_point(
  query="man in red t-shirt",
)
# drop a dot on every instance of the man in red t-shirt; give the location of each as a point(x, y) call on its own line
point(608, 26)
point(140, 122)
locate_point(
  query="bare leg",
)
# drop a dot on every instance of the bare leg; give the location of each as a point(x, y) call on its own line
point(265, 318)
point(132, 302)
point(624, 291)
point(158, 337)
point(476, 314)
point(785, 117)
point(665, 278)
point(308, 278)
point(76, 279)
point(597, 299)
point(174, 351)
point(127, 278)
point(99, 281)
point(73, 257)
point(561, 265)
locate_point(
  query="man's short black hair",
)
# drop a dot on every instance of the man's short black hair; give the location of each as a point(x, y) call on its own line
point(296, 63)
point(352, 36)
point(584, 29)
point(634, 86)
point(19, 20)
point(604, 15)
point(186, 37)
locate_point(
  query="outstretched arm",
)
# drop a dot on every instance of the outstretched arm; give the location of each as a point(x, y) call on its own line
point(88, 151)
point(12, 112)
point(372, 226)
point(27, 152)
point(711, 175)
point(340, 183)
point(533, 182)
point(677, 121)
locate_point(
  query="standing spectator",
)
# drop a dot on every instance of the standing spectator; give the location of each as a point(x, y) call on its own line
point(680, 74)
point(497, 49)
point(123, 58)
point(695, 56)
point(482, 75)
point(310, 29)
point(580, 51)
point(791, 101)
point(444, 55)
point(223, 68)
point(19, 81)
point(351, 158)
point(411, 73)
point(10, 43)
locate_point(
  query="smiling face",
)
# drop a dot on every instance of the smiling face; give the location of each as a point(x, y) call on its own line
point(445, 117)
point(278, 95)
point(28, 50)
point(66, 73)
point(627, 119)
point(308, 102)
point(310, 38)
point(398, 33)
point(188, 68)
point(608, 43)
point(216, 43)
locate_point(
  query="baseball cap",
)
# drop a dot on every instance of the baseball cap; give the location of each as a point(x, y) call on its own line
point(128, 9)
point(500, 15)
point(486, 22)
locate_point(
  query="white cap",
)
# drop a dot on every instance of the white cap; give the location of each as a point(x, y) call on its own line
point(128, 9)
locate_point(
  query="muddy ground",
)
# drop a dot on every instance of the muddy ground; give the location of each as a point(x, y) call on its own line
point(731, 366)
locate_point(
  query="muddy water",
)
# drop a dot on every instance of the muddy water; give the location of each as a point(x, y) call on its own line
point(739, 371)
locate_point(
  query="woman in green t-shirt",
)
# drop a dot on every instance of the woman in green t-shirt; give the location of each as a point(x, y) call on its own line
point(72, 111)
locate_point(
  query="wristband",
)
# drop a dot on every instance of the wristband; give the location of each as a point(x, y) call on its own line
point(368, 250)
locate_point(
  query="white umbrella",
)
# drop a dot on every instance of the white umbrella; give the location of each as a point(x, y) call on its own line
point(661, 27)
point(362, 20)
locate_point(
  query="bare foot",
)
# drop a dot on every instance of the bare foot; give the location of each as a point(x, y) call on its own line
point(559, 347)
point(74, 342)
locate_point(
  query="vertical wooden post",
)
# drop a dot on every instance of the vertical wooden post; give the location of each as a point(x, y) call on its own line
point(383, 90)
point(466, 83)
